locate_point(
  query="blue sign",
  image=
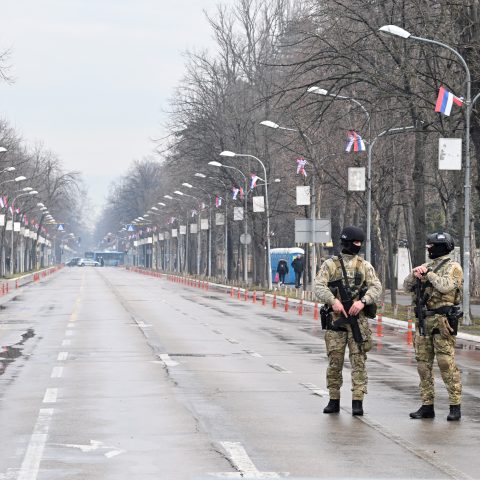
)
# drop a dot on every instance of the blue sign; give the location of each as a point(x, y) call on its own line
point(130, 228)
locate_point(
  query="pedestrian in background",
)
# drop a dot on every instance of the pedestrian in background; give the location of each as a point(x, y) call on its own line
point(298, 266)
point(282, 270)
point(441, 291)
point(358, 277)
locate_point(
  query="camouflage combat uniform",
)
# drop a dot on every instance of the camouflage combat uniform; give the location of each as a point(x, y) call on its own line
point(444, 289)
point(359, 272)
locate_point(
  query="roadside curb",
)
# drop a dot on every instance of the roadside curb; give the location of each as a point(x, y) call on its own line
point(9, 288)
point(275, 298)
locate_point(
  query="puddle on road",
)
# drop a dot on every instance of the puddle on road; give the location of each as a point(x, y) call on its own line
point(10, 353)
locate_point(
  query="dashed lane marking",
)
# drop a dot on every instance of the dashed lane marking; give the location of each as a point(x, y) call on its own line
point(36, 445)
point(57, 372)
point(278, 368)
point(62, 356)
point(167, 361)
point(242, 462)
point(315, 390)
point(253, 354)
point(51, 395)
point(66, 343)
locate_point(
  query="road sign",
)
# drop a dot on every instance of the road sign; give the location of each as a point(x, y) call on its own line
point(303, 230)
point(245, 239)
point(130, 228)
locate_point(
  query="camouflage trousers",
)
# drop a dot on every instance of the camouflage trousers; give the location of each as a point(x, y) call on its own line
point(426, 348)
point(336, 343)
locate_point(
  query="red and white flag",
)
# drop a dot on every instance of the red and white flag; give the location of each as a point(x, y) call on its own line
point(218, 201)
point(253, 180)
point(301, 162)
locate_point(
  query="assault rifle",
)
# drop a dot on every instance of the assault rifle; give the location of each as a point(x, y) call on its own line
point(420, 306)
point(347, 301)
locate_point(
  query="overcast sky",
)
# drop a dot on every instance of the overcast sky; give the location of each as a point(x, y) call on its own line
point(92, 77)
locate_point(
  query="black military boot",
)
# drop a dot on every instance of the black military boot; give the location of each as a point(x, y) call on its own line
point(332, 407)
point(357, 407)
point(425, 411)
point(455, 413)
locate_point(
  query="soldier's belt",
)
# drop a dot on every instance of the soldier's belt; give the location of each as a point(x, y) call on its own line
point(439, 311)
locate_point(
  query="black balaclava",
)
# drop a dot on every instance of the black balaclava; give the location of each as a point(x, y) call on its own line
point(350, 235)
point(441, 244)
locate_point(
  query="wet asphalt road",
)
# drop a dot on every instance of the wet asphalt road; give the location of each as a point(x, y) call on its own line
point(108, 374)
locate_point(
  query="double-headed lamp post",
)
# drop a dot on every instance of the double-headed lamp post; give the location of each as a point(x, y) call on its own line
point(245, 221)
point(400, 32)
point(26, 191)
point(313, 266)
point(227, 153)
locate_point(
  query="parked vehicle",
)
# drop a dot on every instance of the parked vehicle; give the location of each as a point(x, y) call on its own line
point(73, 262)
point(87, 262)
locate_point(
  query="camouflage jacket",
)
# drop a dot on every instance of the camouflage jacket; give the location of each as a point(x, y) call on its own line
point(360, 273)
point(444, 286)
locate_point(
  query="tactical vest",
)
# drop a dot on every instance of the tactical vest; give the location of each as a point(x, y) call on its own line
point(437, 299)
point(356, 273)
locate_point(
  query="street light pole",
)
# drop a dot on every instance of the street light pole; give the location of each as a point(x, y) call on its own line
point(400, 32)
point(227, 153)
point(368, 242)
point(245, 221)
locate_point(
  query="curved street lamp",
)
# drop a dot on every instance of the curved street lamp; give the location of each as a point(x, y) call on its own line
point(227, 153)
point(400, 32)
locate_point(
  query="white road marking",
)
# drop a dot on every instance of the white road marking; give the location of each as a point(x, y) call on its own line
point(253, 354)
point(69, 333)
point(62, 356)
point(50, 395)
point(315, 390)
point(167, 361)
point(143, 325)
point(66, 343)
point(34, 453)
point(242, 462)
point(94, 445)
point(57, 372)
point(278, 368)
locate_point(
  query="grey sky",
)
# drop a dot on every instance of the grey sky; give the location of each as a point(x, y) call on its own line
point(92, 76)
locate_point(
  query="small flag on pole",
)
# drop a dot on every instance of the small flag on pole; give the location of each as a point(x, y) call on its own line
point(235, 192)
point(241, 193)
point(253, 180)
point(194, 212)
point(355, 141)
point(445, 100)
point(218, 201)
point(301, 162)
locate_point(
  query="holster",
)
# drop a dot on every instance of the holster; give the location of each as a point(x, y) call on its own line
point(453, 314)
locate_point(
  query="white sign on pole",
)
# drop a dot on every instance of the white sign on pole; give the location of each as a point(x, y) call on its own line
point(161, 236)
point(167, 235)
point(237, 213)
point(193, 228)
point(303, 195)
point(9, 225)
point(449, 153)
point(356, 179)
point(183, 229)
point(204, 224)
point(174, 232)
point(258, 203)
point(2, 220)
point(219, 219)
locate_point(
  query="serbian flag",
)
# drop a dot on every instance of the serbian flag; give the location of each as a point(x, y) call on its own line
point(235, 192)
point(218, 201)
point(301, 162)
point(445, 100)
point(253, 181)
point(355, 141)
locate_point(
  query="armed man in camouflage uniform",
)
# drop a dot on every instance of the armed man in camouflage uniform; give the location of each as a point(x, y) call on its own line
point(365, 291)
point(441, 287)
